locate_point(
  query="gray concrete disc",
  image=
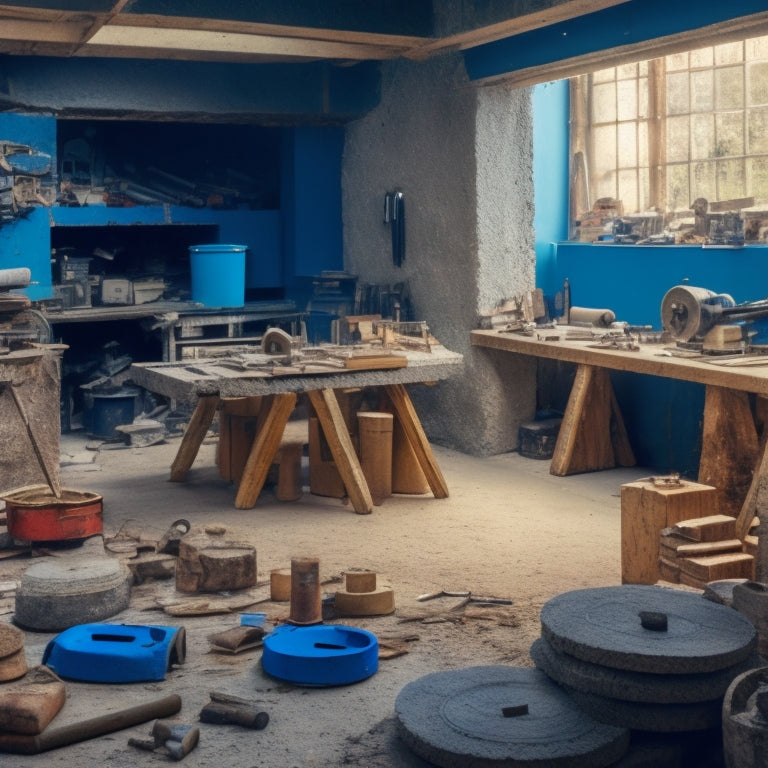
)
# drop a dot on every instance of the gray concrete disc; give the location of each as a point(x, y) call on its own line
point(455, 719)
point(640, 716)
point(635, 686)
point(603, 626)
point(58, 593)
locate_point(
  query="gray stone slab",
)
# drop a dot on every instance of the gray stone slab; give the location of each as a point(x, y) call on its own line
point(745, 728)
point(640, 716)
point(635, 686)
point(603, 626)
point(456, 719)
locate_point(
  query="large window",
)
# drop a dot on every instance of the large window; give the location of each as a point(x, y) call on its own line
point(658, 135)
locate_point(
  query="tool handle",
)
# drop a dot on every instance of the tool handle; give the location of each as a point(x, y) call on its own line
point(88, 729)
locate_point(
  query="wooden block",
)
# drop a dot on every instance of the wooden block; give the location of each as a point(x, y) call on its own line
point(646, 509)
point(669, 570)
point(711, 528)
point(716, 567)
point(237, 431)
point(324, 478)
point(678, 546)
point(750, 545)
point(691, 581)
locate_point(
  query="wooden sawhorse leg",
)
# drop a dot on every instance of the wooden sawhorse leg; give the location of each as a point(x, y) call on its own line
point(264, 450)
point(337, 436)
point(414, 432)
point(592, 435)
point(193, 436)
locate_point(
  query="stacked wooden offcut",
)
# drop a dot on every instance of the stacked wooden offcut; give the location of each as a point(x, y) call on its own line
point(703, 549)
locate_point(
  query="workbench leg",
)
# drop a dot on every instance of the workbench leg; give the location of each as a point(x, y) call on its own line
point(592, 435)
point(337, 436)
point(193, 436)
point(414, 432)
point(729, 447)
point(264, 450)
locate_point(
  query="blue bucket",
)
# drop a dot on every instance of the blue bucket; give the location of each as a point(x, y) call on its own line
point(218, 274)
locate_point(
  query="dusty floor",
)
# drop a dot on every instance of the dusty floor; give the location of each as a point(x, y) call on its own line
point(509, 529)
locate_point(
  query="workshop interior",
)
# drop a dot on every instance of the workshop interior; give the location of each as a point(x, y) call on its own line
point(334, 237)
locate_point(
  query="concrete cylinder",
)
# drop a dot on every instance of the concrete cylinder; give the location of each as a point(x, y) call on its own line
point(407, 475)
point(376, 452)
point(306, 600)
point(280, 585)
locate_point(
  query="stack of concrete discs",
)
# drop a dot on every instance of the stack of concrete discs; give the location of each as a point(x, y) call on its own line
point(645, 657)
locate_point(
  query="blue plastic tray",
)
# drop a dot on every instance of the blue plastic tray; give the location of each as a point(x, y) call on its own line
point(115, 653)
point(320, 655)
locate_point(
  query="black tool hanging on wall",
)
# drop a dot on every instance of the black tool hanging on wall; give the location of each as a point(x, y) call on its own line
point(394, 215)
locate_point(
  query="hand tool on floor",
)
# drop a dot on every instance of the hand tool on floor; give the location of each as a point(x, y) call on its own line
point(470, 598)
point(176, 741)
point(51, 738)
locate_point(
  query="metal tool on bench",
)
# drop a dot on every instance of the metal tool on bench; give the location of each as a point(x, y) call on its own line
point(698, 315)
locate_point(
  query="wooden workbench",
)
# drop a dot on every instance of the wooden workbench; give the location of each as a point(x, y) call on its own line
point(208, 382)
point(592, 435)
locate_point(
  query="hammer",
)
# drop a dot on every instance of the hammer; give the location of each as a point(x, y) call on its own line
point(224, 709)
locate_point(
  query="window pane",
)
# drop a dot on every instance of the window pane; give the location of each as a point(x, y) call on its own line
point(757, 82)
point(759, 173)
point(731, 179)
point(702, 136)
point(729, 88)
point(729, 53)
point(757, 120)
point(604, 75)
point(703, 181)
point(604, 103)
point(627, 145)
point(642, 98)
point(729, 134)
point(605, 146)
point(702, 91)
point(604, 185)
point(678, 132)
point(677, 94)
point(645, 203)
point(628, 190)
point(678, 196)
point(756, 48)
point(642, 143)
point(704, 57)
point(626, 92)
point(626, 71)
point(676, 61)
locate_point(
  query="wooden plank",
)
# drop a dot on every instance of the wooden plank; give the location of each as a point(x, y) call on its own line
point(677, 546)
point(193, 436)
point(729, 452)
point(264, 450)
point(592, 435)
point(715, 567)
point(414, 432)
point(712, 528)
point(334, 428)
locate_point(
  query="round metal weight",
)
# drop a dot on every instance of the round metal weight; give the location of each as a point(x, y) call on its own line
point(502, 716)
point(611, 626)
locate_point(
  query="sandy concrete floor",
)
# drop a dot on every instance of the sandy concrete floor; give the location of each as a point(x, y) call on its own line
point(509, 529)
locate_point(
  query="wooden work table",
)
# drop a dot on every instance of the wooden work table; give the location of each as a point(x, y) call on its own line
point(207, 382)
point(593, 437)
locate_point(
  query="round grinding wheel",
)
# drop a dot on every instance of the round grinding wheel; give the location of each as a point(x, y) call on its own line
point(616, 627)
point(634, 686)
point(502, 716)
point(687, 311)
point(55, 594)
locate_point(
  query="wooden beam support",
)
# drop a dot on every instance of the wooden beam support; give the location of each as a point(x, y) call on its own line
point(264, 450)
point(729, 447)
point(414, 432)
point(193, 436)
point(592, 435)
point(335, 430)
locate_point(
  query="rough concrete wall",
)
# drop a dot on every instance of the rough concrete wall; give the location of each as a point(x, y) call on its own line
point(469, 238)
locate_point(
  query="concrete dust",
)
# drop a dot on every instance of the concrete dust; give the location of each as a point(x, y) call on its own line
point(509, 529)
